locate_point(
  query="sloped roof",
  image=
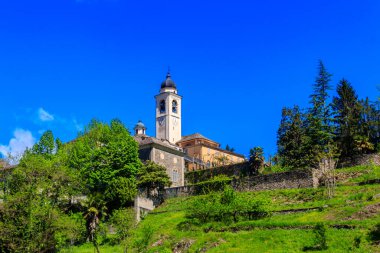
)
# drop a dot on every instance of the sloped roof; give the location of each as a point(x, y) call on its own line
point(194, 136)
point(146, 140)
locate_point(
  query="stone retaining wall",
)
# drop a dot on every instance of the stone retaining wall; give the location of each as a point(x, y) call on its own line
point(284, 180)
point(360, 160)
point(234, 170)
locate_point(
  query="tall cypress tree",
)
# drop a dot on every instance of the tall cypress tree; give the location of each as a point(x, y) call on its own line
point(319, 125)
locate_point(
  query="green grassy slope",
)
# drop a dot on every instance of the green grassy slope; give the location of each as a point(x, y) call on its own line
point(349, 216)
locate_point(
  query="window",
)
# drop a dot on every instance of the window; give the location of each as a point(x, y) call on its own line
point(174, 106)
point(162, 106)
point(175, 176)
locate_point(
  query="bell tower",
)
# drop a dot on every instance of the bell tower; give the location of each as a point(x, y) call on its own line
point(168, 112)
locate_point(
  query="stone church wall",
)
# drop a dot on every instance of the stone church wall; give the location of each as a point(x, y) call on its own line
point(174, 164)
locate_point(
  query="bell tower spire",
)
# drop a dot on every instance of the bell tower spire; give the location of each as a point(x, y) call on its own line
point(168, 111)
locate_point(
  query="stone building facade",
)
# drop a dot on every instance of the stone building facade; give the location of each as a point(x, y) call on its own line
point(165, 154)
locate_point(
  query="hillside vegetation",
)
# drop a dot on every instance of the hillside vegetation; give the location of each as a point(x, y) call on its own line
point(300, 220)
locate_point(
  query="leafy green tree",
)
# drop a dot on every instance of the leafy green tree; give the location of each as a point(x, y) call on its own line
point(58, 144)
point(38, 196)
point(153, 177)
point(106, 155)
point(121, 191)
point(46, 144)
point(293, 144)
point(347, 116)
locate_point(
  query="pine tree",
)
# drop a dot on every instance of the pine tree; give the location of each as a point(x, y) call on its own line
point(319, 125)
point(369, 127)
point(292, 142)
point(347, 116)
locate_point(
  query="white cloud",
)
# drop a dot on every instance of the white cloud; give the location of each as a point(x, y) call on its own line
point(78, 126)
point(22, 140)
point(44, 115)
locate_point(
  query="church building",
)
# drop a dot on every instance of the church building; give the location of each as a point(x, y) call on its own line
point(169, 148)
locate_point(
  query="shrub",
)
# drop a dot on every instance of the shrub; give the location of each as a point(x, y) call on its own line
point(142, 242)
point(320, 239)
point(70, 230)
point(123, 220)
point(226, 206)
point(374, 234)
point(217, 183)
point(320, 236)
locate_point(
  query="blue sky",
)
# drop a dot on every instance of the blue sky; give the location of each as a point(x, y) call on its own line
point(236, 63)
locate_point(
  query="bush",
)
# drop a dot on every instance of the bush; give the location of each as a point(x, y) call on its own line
point(320, 239)
point(70, 230)
point(374, 234)
point(217, 183)
point(275, 169)
point(320, 236)
point(227, 206)
point(142, 242)
point(122, 220)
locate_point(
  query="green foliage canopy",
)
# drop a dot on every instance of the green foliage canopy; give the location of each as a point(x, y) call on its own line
point(107, 157)
point(153, 176)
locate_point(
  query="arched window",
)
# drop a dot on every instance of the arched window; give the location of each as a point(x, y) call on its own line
point(162, 106)
point(174, 106)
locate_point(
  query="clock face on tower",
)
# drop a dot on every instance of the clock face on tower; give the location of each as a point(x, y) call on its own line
point(161, 121)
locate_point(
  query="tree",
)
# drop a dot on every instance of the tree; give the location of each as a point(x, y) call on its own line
point(96, 210)
point(369, 135)
point(319, 124)
point(347, 117)
point(293, 145)
point(319, 98)
point(106, 155)
point(38, 197)
point(46, 144)
point(153, 178)
point(256, 159)
point(231, 149)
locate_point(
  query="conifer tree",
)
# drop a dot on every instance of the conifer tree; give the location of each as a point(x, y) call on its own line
point(292, 141)
point(347, 116)
point(369, 130)
point(319, 125)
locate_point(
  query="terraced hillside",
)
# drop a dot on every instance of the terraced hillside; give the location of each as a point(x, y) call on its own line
point(298, 216)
